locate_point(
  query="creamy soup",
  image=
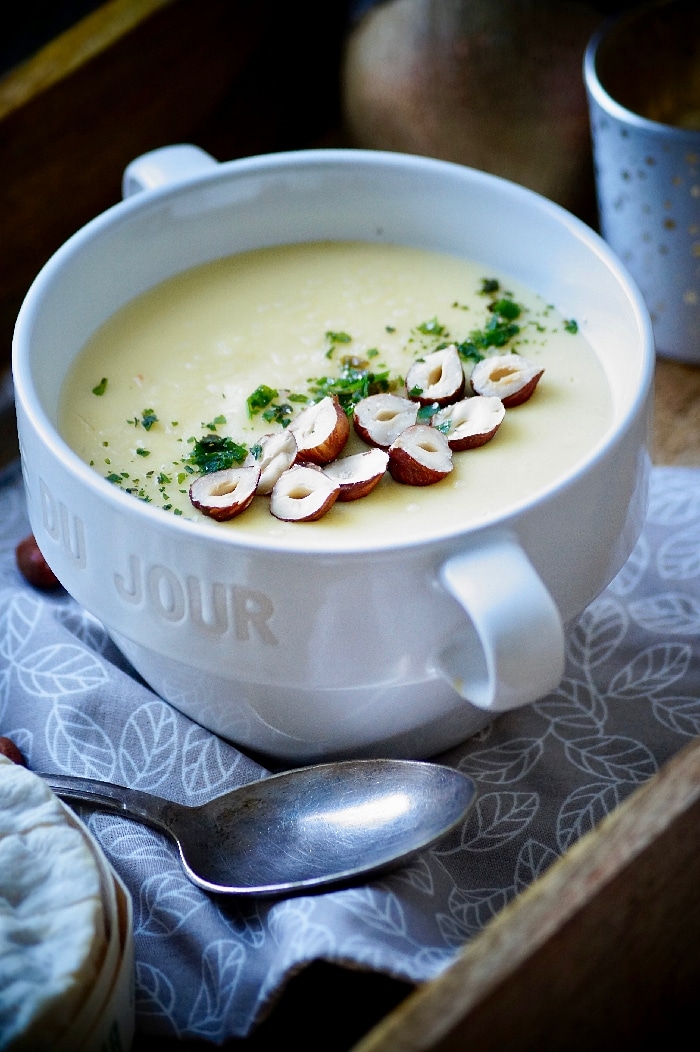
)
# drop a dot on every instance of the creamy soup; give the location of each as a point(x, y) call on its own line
point(182, 361)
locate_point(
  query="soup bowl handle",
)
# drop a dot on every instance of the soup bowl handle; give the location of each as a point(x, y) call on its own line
point(512, 650)
point(164, 166)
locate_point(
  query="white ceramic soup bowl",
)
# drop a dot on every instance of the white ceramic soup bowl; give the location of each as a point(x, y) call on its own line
point(400, 648)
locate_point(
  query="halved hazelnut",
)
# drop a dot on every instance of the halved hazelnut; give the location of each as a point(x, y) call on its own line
point(439, 377)
point(471, 422)
point(420, 456)
point(357, 475)
point(303, 493)
point(224, 494)
point(279, 451)
point(321, 431)
point(506, 376)
point(379, 419)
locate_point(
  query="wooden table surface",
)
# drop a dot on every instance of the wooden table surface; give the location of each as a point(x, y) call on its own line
point(676, 435)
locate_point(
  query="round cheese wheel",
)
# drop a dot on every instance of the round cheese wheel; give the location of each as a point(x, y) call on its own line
point(52, 924)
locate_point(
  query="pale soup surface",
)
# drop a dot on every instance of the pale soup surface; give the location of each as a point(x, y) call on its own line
point(181, 361)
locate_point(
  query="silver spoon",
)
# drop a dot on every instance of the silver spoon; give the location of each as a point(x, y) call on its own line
point(301, 829)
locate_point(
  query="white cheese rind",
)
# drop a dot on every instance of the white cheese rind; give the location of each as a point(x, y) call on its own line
point(52, 928)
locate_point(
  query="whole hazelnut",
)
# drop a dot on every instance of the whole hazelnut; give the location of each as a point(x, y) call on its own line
point(10, 750)
point(33, 566)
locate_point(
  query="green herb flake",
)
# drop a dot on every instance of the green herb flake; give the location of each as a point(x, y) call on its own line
point(426, 412)
point(148, 419)
point(339, 337)
point(216, 452)
point(217, 422)
point(469, 351)
point(260, 398)
point(354, 382)
point(278, 413)
point(143, 452)
point(101, 387)
point(499, 330)
point(571, 326)
point(489, 286)
point(431, 328)
point(506, 308)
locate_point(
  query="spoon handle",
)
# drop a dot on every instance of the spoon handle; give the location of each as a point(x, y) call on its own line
point(106, 796)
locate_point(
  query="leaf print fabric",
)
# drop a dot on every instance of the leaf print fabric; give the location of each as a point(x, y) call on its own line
point(209, 969)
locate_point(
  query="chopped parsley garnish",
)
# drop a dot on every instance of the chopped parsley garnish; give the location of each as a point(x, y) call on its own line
point(215, 452)
point(278, 413)
point(499, 330)
point(431, 328)
point(506, 308)
point(260, 398)
point(354, 382)
point(426, 412)
point(334, 339)
point(148, 419)
point(218, 421)
point(357, 376)
point(571, 326)
point(262, 401)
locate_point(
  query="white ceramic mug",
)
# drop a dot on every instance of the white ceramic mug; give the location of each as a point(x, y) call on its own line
point(642, 74)
point(258, 642)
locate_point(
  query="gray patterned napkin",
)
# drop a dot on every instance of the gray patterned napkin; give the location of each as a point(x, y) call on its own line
point(208, 968)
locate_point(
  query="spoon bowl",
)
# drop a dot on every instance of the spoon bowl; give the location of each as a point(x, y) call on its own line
point(299, 830)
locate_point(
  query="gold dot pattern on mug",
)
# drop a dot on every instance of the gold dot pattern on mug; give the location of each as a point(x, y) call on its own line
point(649, 208)
point(646, 150)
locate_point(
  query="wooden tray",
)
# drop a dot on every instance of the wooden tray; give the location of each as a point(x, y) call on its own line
point(602, 951)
